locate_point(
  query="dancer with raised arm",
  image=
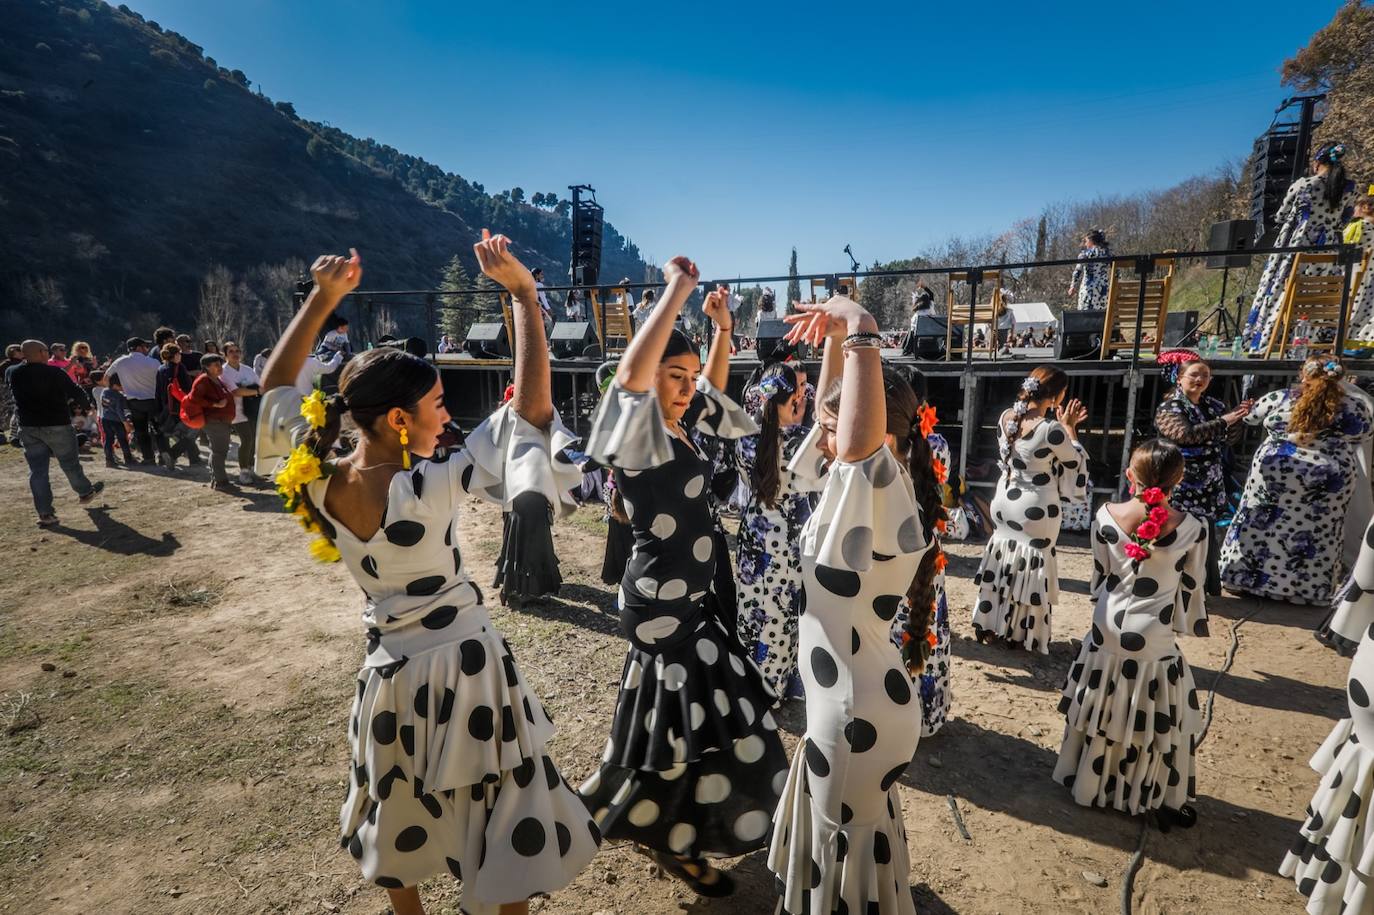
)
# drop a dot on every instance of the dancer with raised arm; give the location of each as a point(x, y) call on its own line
point(694, 765)
point(838, 840)
point(450, 772)
point(1044, 468)
point(1131, 706)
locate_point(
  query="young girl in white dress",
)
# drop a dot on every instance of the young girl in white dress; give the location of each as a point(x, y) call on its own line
point(449, 772)
point(1131, 705)
point(1043, 468)
point(838, 840)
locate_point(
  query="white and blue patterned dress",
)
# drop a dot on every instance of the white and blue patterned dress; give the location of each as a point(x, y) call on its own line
point(1285, 541)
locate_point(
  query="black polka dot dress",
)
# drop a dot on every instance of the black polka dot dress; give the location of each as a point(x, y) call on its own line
point(694, 764)
point(450, 771)
point(1130, 701)
point(838, 841)
point(1332, 857)
point(1018, 580)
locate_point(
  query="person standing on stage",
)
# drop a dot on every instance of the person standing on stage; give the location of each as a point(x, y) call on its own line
point(1131, 706)
point(839, 844)
point(450, 771)
point(694, 764)
point(1044, 468)
point(1312, 213)
point(1286, 539)
point(545, 309)
point(1361, 232)
point(1092, 275)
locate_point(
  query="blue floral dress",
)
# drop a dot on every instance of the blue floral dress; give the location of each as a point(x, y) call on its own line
point(933, 683)
point(1286, 539)
point(771, 597)
point(1304, 218)
point(1092, 276)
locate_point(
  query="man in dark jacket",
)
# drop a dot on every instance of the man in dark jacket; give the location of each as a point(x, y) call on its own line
point(43, 395)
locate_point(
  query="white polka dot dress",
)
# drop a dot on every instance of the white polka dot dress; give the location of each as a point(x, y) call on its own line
point(450, 772)
point(769, 560)
point(1018, 580)
point(1332, 857)
point(1362, 297)
point(694, 764)
point(1130, 702)
point(838, 840)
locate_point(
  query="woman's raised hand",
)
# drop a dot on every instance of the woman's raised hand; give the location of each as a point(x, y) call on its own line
point(835, 317)
point(717, 307)
point(681, 269)
point(336, 276)
point(496, 261)
point(1073, 413)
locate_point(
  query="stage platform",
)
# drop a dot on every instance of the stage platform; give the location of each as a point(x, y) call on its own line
point(968, 397)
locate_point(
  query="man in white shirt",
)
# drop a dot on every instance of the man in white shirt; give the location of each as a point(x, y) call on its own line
point(544, 308)
point(314, 369)
point(137, 375)
point(242, 382)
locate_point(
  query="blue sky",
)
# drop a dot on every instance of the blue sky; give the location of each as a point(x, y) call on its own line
point(732, 132)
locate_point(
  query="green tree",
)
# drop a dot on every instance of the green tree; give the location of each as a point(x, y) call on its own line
point(517, 195)
point(793, 284)
point(538, 198)
point(456, 313)
point(487, 304)
point(1340, 61)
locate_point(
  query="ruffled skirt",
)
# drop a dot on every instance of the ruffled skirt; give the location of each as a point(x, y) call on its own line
point(1332, 860)
point(451, 775)
point(694, 765)
point(528, 566)
point(1018, 585)
point(1130, 731)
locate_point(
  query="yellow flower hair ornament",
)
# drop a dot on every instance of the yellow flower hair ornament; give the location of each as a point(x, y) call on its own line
point(303, 467)
point(313, 409)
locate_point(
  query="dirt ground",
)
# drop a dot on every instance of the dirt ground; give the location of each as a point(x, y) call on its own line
point(175, 678)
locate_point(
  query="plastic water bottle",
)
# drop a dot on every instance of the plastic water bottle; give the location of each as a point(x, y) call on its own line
point(1238, 347)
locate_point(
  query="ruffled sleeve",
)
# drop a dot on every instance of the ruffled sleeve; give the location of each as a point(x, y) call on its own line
point(1071, 463)
point(1190, 601)
point(808, 465)
point(280, 428)
point(628, 430)
point(506, 456)
point(1355, 612)
point(867, 507)
point(1102, 555)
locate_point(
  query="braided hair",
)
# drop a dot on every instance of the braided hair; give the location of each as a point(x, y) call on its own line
point(1044, 383)
point(371, 386)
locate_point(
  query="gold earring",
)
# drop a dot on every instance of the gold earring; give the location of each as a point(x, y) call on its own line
point(405, 451)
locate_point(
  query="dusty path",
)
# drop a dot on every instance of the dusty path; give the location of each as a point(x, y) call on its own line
point(188, 753)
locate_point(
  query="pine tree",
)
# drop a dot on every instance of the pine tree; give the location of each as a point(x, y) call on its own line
point(488, 302)
point(456, 312)
point(793, 284)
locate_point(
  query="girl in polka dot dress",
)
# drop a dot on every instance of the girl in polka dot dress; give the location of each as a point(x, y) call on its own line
point(1330, 860)
point(1131, 705)
point(1044, 468)
point(779, 504)
point(838, 840)
point(694, 765)
point(450, 773)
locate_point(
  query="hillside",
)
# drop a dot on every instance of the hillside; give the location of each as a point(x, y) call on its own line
point(131, 165)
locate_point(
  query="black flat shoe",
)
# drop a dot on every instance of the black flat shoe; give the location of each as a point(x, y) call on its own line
point(677, 866)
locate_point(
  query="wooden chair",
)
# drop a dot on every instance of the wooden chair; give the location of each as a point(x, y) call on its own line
point(987, 312)
point(615, 328)
point(820, 291)
point(1317, 299)
point(508, 316)
point(1123, 298)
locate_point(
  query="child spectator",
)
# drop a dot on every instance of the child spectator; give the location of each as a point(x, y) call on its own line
point(115, 421)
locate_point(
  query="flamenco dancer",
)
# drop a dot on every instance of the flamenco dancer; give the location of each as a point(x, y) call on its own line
point(838, 840)
point(779, 504)
point(926, 644)
point(1359, 232)
point(1286, 539)
point(1131, 706)
point(1312, 213)
point(1045, 468)
point(1092, 274)
point(1328, 859)
point(449, 768)
point(694, 765)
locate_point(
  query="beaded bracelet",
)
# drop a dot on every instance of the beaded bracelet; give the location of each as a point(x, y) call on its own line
point(862, 341)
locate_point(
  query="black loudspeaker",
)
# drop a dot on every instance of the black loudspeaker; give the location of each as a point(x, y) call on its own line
point(1272, 167)
point(487, 341)
point(927, 341)
point(571, 339)
point(769, 343)
point(1179, 324)
point(1080, 334)
point(1231, 235)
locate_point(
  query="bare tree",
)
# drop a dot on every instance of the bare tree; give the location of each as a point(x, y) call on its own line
point(217, 317)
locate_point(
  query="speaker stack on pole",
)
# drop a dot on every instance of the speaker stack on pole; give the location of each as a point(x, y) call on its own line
point(1279, 159)
point(588, 220)
point(1080, 334)
point(927, 340)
